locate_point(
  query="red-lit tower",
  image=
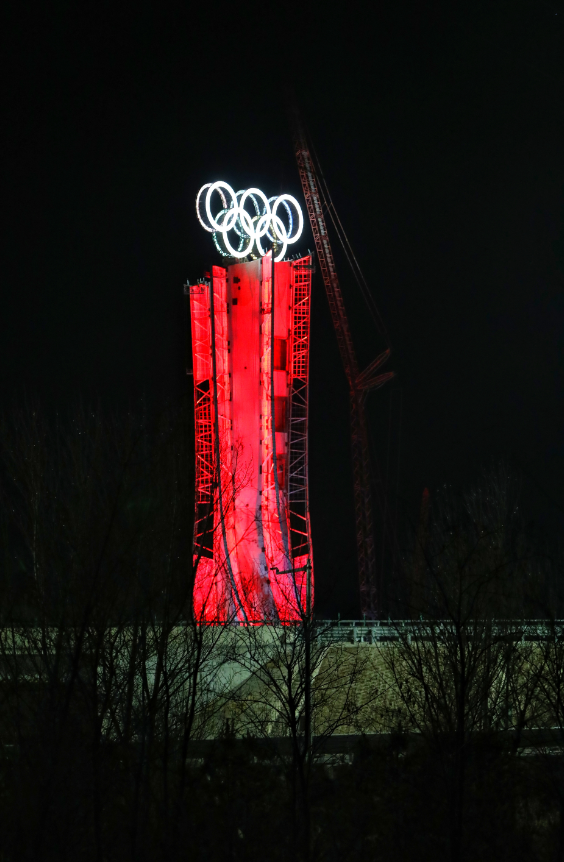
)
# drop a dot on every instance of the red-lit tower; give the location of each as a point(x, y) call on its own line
point(250, 349)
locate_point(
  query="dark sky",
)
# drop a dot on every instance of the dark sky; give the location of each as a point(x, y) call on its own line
point(440, 134)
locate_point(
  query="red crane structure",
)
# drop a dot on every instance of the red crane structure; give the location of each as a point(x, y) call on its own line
point(318, 202)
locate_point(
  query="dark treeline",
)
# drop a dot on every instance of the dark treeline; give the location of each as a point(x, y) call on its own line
point(130, 732)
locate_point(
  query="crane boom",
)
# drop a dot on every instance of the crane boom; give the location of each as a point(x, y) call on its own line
point(359, 383)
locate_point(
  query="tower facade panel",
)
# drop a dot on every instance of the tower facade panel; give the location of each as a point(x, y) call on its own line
point(250, 348)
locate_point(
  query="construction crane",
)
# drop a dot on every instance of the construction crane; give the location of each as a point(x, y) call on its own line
point(318, 202)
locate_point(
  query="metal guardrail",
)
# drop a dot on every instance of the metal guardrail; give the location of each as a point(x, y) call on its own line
point(381, 631)
point(546, 740)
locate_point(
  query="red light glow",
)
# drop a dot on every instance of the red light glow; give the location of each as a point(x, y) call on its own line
point(251, 386)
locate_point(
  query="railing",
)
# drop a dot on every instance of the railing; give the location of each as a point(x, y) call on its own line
point(374, 631)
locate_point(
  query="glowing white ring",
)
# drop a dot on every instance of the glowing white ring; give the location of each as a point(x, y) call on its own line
point(200, 219)
point(233, 210)
point(232, 251)
point(248, 227)
point(261, 230)
point(292, 200)
point(290, 219)
point(252, 193)
point(280, 230)
point(242, 236)
point(233, 216)
point(238, 222)
point(278, 224)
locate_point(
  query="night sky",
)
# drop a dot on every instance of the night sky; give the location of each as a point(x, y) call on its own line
point(440, 133)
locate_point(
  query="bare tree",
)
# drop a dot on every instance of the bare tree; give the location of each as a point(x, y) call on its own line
point(106, 674)
point(271, 704)
point(461, 668)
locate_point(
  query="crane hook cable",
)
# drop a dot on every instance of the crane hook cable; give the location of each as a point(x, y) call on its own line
point(347, 248)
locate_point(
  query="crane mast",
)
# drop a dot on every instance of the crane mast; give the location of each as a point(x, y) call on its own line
point(360, 383)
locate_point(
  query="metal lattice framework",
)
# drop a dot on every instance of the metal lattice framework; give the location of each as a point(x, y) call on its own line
point(298, 504)
point(205, 461)
point(230, 602)
point(359, 383)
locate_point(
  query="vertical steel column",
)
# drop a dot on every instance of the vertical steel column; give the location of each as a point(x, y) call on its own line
point(234, 591)
point(281, 515)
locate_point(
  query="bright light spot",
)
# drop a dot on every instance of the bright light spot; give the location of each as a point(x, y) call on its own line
point(248, 228)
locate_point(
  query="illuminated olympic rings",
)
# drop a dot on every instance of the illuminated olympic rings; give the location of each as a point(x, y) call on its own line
point(233, 216)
